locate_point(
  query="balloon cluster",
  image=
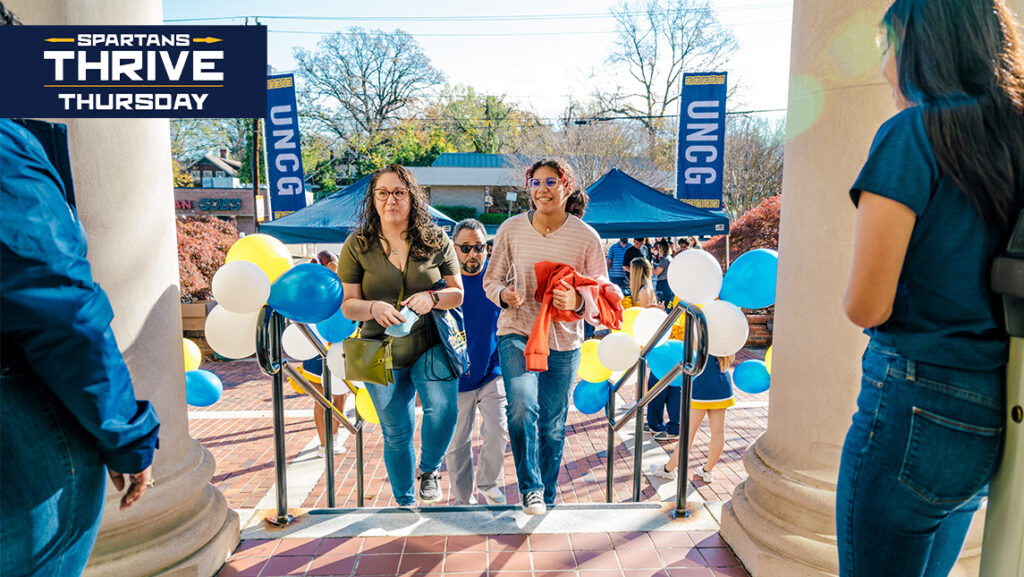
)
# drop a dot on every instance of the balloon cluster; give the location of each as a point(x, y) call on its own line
point(202, 388)
point(257, 271)
point(696, 277)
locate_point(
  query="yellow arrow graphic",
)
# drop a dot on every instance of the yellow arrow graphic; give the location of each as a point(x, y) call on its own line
point(60, 39)
point(208, 40)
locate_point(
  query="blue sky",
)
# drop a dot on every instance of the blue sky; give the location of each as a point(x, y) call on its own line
point(537, 62)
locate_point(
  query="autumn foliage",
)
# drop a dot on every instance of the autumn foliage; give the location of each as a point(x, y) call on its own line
point(757, 228)
point(203, 243)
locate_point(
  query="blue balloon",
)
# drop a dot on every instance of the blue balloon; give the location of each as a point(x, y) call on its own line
point(589, 398)
point(202, 388)
point(750, 281)
point(307, 293)
point(664, 357)
point(751, 377)
point(337, 328)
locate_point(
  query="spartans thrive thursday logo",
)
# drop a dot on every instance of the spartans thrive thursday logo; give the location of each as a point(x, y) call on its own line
point(135, 71)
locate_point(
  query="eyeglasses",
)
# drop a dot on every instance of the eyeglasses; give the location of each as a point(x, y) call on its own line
point(511, 278)
point(468, 248)
point(549, 182)
point(398, 193)
point(882, 38)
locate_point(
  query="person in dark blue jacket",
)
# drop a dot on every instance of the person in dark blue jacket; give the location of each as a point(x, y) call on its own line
point(480, 387)
point(68, 411)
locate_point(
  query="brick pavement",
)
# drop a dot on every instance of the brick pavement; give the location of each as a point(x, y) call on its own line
point(244, 453)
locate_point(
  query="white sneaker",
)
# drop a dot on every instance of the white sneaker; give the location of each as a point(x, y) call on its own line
point(494, 496)
point(321, 451)
point(533, 504)
point(339, 444)
point(658, 470)
point(707, 476)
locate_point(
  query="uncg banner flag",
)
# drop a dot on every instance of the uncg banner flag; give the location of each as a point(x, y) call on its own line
point(284, 149)
point(133, 71)
point(701, 139)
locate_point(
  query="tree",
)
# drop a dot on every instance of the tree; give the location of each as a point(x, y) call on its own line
point(757, 228)
point(360, 82)
point(410, 144)
point(476, 122)
point(657, 41)
point(753, 163)
point(203, 244)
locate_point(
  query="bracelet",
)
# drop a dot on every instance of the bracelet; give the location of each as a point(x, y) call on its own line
point(371, 310)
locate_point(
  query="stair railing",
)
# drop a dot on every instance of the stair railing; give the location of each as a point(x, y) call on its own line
point(695, 355)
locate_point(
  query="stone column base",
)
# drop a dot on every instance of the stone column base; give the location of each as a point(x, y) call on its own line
point(778, 525)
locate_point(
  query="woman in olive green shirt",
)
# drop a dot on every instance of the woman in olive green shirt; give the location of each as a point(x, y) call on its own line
point(395, 245)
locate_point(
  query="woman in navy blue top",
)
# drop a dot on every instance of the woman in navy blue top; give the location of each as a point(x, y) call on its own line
point(942, 184)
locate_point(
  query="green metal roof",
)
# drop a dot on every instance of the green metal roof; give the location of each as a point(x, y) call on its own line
point(478, 160)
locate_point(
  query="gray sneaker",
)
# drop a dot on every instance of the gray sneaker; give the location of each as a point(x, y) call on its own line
point(430, 487)
point(665, 436)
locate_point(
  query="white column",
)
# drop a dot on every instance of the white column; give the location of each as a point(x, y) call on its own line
point(781, 520)
point(122, 177)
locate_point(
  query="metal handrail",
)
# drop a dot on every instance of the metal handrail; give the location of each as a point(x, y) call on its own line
point(691, 365)
point(270, 325)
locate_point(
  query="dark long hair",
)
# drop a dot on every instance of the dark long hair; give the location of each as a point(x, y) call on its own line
point(576, 204)
point(963, 62)
point(425, 238)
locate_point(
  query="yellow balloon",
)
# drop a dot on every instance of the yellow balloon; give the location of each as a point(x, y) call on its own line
point(193, 356)
point(628, 318)
point(264, 251)
point(591, 369)
point(364, 404)
point(768, 360)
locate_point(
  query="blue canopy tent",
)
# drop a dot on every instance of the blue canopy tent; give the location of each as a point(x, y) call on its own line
point(333, 218)
point(623, 207)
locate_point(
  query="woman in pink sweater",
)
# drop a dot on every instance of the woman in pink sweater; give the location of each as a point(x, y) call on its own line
point(538, 402)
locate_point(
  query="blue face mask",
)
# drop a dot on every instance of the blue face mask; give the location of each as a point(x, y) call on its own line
point(404, 328)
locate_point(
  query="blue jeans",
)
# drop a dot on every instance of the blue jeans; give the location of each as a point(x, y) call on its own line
point(666, 401)
point(432, 378)
point(621, 282)
point(537, 407)
point(917, 458)
point(53, 483)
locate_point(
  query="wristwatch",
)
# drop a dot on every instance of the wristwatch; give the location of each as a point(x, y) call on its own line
point(434, 297)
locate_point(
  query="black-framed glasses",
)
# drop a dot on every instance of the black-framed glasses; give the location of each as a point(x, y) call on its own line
point(383, 194)
point(549, 182)
point(468, 248)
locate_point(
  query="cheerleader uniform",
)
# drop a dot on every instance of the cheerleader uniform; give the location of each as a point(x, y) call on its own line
point(712, 389)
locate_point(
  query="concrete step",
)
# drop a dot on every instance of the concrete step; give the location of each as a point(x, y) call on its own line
point(482, 520)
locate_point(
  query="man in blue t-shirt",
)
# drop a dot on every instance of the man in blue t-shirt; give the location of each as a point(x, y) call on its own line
point(481, 387)
point(616, 256)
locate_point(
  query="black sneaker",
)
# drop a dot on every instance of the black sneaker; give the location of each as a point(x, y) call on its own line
point(665, 436)
point(533, 503)
point(430, 487)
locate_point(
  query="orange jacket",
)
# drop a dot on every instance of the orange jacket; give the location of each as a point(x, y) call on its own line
point(549, 277)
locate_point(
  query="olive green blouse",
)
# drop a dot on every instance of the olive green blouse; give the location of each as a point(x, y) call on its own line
point(382, 281)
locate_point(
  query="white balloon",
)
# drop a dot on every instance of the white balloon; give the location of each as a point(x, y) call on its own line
point(336, 360)
point(618, 351)
point(231, 335)
point(695, 276)
point(727, 328)
point(647, 323)
point(240, 287)
point(296, 345)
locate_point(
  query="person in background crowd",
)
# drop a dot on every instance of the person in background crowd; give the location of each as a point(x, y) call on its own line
point(712, 395)
point(683, 243)
point(946, 170)
point(538, 402)
point(69, 412)
point(660, 273)
point(636, 250)
point(312, 369)
point(616, 270)
point(392, 260)
point(481, 387)
point(641, 285)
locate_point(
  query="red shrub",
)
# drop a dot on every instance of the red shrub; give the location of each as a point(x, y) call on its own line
point(757, 228)
point(203, 243)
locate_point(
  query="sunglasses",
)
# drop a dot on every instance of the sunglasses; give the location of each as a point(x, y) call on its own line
point(398, 193)
point(468, 248)
point(549, 182)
